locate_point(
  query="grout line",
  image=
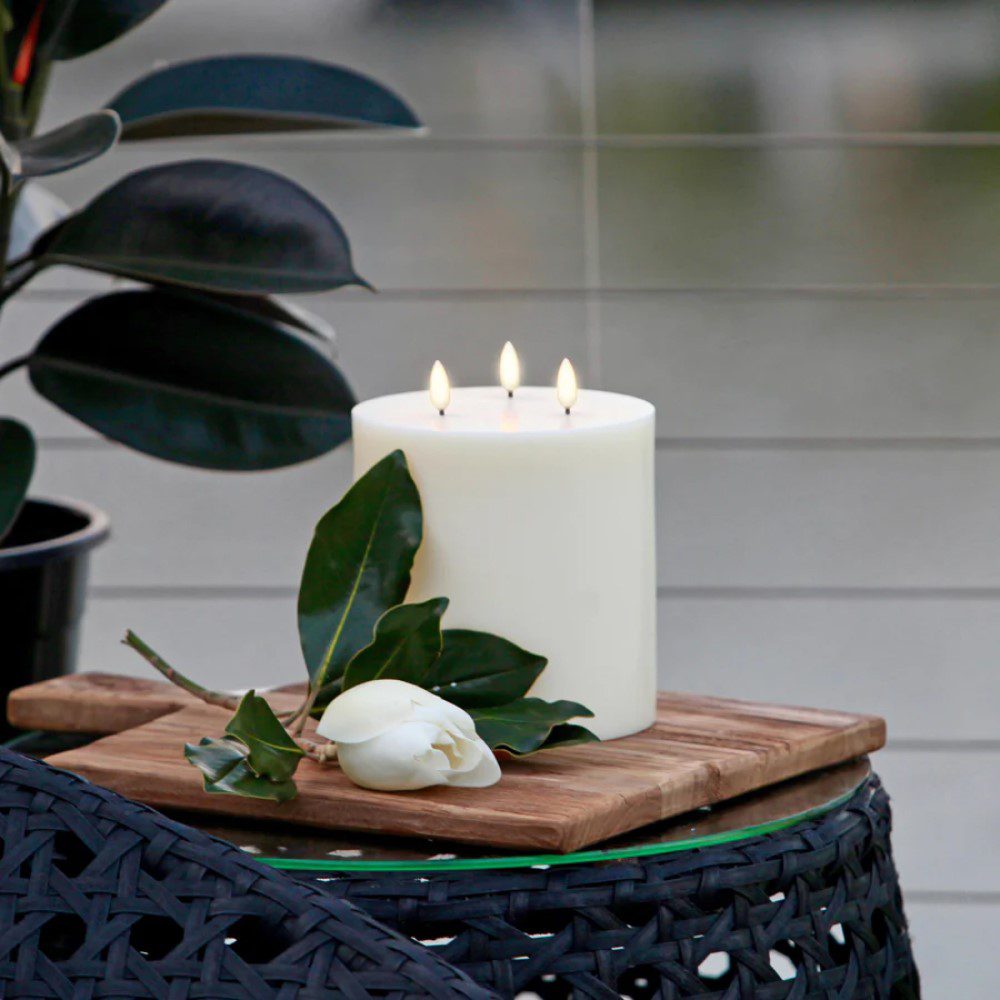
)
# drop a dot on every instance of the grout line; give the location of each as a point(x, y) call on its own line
point(589, 183)
point(825, 593)
point(432, 142)
point(113, 592)
point(946, 896)
point(184, 592)
point(943, 746)
point(720, 444)
point(828, 444)
point(878, 292)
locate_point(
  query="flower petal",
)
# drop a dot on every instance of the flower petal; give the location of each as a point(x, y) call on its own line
point(485, 773)
point(369, 710)
point(397, 761)
point(444, 712)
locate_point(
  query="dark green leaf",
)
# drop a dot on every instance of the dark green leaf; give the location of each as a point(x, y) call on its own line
point(223, 762)
point(524, 725)
point(568, 735)
point(66, 147)
point(268, 308)
point(407, 641)
point(17, 463)
point(358, 566)
point(477, 669)
point(94, 23)
point(207, 224)
point(273, 753)
point(37, 210)
point(255, 93)
point(193, 382)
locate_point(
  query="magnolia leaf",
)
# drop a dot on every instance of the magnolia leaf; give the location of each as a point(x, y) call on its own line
point(66, 147)
point(477, 669)
point(223, 763)
point(407, 641)
point(273, 754)
point(206, 224)
point(524, 725)
point(358, 566)
point(255, 93)
point(568, 735)
point(17, 463)
point(186, 379)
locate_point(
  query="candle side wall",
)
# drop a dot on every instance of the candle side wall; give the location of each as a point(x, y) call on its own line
point(548, 541)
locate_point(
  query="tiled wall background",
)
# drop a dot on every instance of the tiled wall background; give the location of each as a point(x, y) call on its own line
point(779, 222)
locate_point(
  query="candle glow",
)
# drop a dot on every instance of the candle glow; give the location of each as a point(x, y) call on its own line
point(440, 388)
point(510, 368)
point(567, 389)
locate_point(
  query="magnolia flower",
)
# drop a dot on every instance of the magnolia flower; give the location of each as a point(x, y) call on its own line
point(396, 737)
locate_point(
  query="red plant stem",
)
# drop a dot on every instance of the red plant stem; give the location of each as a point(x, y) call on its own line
point(26, 53)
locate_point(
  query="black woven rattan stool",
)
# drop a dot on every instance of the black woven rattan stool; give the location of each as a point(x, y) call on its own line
point(100, 897)
point(811, 912)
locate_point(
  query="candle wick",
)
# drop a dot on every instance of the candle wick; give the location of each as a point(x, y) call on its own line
point(510, 393)
point(442, 412)
point(567, 411)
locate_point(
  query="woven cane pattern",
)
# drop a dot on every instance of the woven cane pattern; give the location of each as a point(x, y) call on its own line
point(101, 897)
point(809, 913)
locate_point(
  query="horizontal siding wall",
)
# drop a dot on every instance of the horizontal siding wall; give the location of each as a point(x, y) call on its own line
point(779, 224)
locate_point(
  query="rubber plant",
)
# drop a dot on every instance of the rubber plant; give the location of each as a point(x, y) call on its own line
point(355, 627)
point(197, 362)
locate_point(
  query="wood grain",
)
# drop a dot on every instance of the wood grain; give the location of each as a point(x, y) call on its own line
point(701, 750)
point(98, 703)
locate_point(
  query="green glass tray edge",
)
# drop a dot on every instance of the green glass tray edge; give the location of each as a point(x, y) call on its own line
point(576, 858)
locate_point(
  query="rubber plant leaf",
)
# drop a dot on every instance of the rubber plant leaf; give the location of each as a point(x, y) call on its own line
point(206, 224)
point(193, 382)
point(477, 669)
point(256, 93)
point(406, 644)
point(358, 566)
point(273, 754)
point(225, 769)
point(66, 147)
point(37, 210)
point(271, 309)
point(17, 463)
point(95, 23)
point(523, 726)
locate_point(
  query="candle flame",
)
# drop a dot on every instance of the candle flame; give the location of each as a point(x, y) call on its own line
point(440, 388)
point(567, 390)
point(510, 368)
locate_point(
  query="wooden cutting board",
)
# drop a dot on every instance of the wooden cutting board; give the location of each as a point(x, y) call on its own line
point(701, 750)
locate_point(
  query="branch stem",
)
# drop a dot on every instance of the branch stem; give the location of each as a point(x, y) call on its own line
point(299, 722)
point(217, 698)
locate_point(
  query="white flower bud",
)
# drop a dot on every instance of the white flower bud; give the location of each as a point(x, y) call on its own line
point(396, 737)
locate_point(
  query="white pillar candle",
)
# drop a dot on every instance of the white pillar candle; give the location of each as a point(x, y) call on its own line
point(539, 526)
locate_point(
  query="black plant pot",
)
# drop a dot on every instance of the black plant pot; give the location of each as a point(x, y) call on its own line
point(43, 584)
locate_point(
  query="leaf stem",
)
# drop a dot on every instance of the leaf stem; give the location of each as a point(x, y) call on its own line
point(322, 753)
point(218, 698)
point(16, 275)
point(13, 365)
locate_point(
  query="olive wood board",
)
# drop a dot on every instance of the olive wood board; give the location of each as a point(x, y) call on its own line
point(700, 751)
point(99, 703)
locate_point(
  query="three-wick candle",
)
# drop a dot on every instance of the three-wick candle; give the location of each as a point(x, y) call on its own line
point(538, 525)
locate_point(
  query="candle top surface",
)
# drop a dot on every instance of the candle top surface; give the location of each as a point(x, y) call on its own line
point(487, 410)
